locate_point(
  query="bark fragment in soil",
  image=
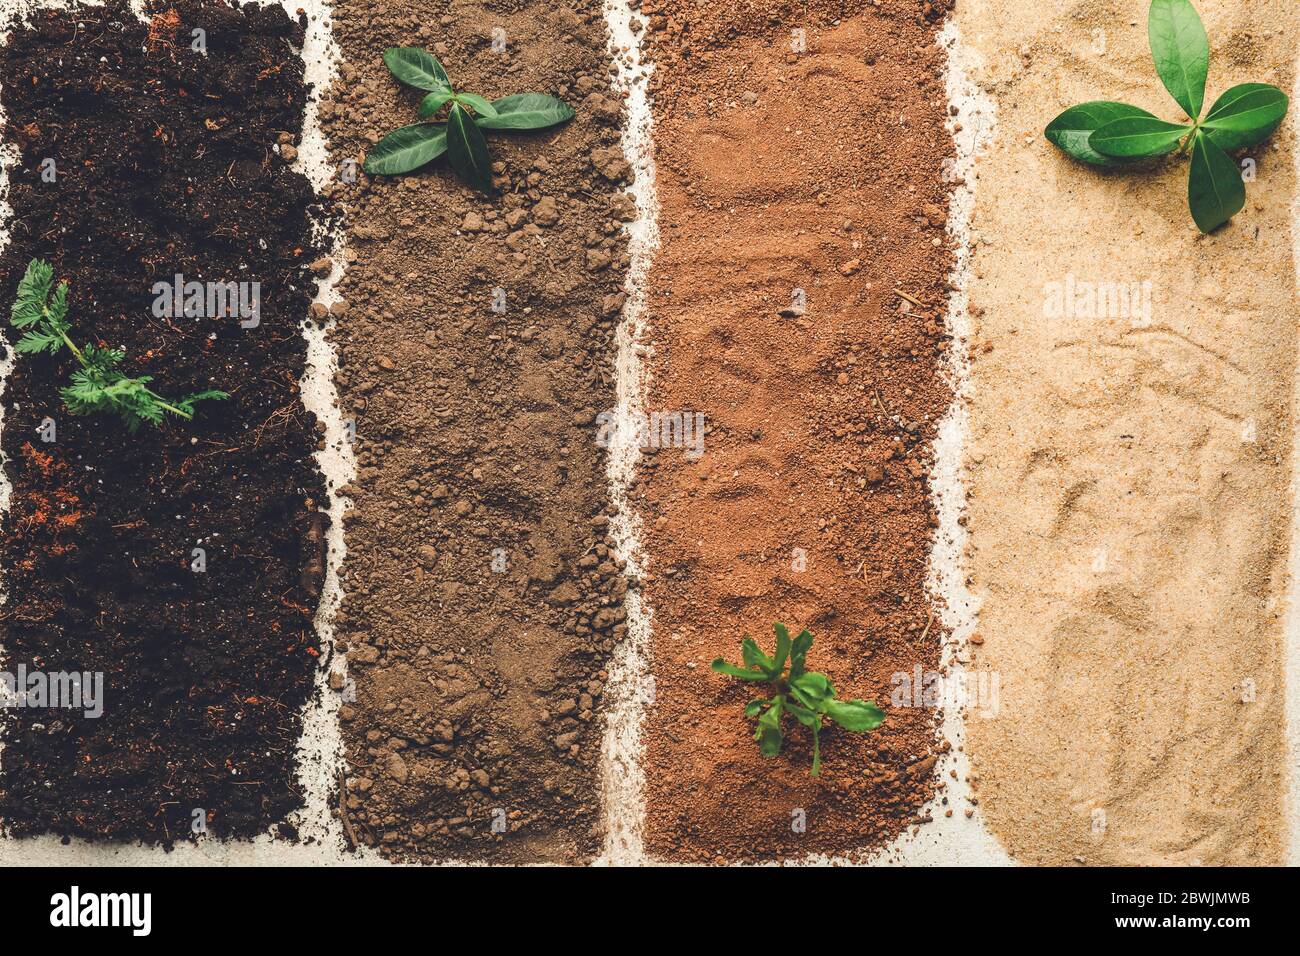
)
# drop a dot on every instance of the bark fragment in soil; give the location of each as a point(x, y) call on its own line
point(818, 171)
point(165, 164)
point(478, 691)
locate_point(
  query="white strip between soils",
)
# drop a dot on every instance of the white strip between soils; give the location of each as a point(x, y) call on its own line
point(630, 687)
point(320, 750)
point(955, 840)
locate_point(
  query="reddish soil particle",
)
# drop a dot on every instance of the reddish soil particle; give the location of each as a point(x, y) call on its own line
point(819, 171)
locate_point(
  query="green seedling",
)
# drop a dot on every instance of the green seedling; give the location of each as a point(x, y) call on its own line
point(1110, 134)
point(98, 385)
point(803, 694)
point(468, 115)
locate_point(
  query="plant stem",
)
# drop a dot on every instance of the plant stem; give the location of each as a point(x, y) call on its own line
point(170, 407)
point(81, 357)
point(68, 342)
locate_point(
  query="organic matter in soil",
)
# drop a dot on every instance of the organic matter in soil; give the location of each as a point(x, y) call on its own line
point(166, 162)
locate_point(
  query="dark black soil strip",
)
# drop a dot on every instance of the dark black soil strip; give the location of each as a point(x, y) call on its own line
point(165, 164)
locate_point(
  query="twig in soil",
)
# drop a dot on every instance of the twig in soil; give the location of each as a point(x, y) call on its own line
point(282, 413)
point(912, 299)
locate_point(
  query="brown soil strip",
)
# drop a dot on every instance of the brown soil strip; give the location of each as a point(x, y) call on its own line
point(1129, 472)
point(166, 164)
point(478, 693)
point(819, 171)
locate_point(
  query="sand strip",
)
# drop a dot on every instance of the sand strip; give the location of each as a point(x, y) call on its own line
point(1130, 467)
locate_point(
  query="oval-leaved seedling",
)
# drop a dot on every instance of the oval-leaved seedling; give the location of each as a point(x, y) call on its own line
point(468, 115)
point(1103, 133)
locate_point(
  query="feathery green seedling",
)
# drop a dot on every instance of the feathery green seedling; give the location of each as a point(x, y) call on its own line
point(806, 695)
point(461, 136)
point(99, 385)
point(1110, 134)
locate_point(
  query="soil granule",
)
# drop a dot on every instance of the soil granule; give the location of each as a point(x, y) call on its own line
point(1130, 470)
point(818, 171)
point(482, 597)
point(166, 163)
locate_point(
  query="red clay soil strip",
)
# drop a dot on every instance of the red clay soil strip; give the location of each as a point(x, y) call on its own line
point(475, 729)
point(780, 170)
point(165, 164)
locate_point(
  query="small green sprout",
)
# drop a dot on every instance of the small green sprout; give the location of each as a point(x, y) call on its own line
point(99, 385)
point(1103, 133)
point(806, 695)
point(461, 136)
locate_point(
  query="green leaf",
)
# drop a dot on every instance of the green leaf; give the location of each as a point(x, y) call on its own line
point(1181, 51)
point(187, 403)
point(855, 715)
point(782, 648)
point(467, 149)
point(32, 305)
point(481, 106)
point(34, 342)
point(731, 670)
point(433, 102)
point(799, 652)
point(522, 111)
point(407, 148)
point(769, 735)
point(817, 749)
point(417, 68)
point(1134, 137)
point(813, 690)
point(805, 716)
point(1069, 132)
point(211, 394)
point(1246, 115)
point(1215, 191)
point(33, 291)
point(751, 655)
point(58, 307)
point(755, 707)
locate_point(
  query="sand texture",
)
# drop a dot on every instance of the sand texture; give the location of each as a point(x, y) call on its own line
point(1128, 468)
